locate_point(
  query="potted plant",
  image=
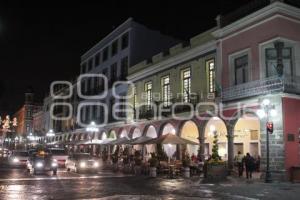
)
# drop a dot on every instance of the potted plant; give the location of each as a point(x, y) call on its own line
point(137, 162)
point(153, 162)
point(186, 163)
point(215, 169)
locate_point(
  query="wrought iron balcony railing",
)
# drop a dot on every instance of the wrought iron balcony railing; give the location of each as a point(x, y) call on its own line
point(288, 84)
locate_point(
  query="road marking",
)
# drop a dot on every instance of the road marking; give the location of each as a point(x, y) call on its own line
point(62, 178)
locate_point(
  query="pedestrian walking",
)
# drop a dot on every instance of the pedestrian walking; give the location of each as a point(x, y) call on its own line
point(250, 165)
point(239, 163)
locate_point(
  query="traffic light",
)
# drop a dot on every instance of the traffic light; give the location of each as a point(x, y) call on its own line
point(270, 127)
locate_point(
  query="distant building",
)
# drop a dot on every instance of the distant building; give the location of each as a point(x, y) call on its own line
point(25, 114)
point(127, 45)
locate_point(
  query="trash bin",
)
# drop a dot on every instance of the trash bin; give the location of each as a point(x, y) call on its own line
point(295, 174)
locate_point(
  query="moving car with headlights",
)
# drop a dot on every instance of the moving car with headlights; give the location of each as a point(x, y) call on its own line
point(60, 155)
point(18, 158)
point(41, 162)
point(82, 162)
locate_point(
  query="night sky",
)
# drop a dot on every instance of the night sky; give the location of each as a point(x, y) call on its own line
point(43, 42)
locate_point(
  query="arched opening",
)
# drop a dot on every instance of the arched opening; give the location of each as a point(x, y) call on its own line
point(103, 136)
point(124, 133)
point(216, 126)
point(168, 128)
point(151, 132)
point(112, 135)
point(247, 135)
point(170, 149)
point(136, 133)
point(190, 132)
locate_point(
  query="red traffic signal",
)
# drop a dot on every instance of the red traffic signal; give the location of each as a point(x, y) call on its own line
point(270, 127)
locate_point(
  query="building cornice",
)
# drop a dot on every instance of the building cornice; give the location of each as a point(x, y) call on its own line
point(175, 60)
point(258, 16)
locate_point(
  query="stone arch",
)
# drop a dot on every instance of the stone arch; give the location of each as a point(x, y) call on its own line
point(103, 135)
point(167, 127)
point(112, 134)
point(150, 131)
point(123, 133)
point(189, 130)
point(216, 125)
point(135, 132)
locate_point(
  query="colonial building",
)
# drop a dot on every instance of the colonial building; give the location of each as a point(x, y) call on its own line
point(259, 57)
point(229, 81)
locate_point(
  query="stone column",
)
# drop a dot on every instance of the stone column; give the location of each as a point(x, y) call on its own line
point(276, 143)
point(201, 139)
point(230, 144)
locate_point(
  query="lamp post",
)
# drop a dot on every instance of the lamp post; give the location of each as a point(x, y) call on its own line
point(267, 110)
point(50, 134)
point(92, 128)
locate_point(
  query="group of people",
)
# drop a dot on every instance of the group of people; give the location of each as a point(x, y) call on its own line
point(251, 164)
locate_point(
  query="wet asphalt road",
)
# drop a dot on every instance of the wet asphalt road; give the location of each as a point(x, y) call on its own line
point(17, 184)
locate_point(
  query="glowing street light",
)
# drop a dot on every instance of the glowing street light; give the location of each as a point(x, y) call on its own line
point(267, 110)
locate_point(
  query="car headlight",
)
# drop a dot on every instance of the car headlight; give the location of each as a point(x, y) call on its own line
point(82, 164)
point(15, 160)
point(96, 164)
point(39, 165)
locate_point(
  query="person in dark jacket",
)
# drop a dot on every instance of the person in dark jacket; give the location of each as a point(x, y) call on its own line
point(250, 165)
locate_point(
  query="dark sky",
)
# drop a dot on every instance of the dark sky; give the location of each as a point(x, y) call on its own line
point(43, 42)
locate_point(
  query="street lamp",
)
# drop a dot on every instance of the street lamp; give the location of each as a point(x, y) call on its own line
point(92, 128)
point(50, 134)
point(267, 110)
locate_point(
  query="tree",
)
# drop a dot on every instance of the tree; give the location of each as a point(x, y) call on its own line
point(215, 150)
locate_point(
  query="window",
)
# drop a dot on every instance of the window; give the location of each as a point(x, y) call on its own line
point(272, 60)
point(90, 65)
point(166, 93)
point(124, 68)
point(97, 59)
point(89, 85)
point(241, 69)
point(113, 73)
point(186, 85)
point(124, 41)
point(105, 54)
point(114, 48)
point(135, 105)
point(211, 75)
point(87, 114)
point(83, 87)
point(148, 90)
point(111, 116)
point(83, 68)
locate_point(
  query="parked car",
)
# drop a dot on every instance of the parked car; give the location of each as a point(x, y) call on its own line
point(18, 158)
point(60, 155)
point(4, 153)
point(82, 162)
point(41, 162)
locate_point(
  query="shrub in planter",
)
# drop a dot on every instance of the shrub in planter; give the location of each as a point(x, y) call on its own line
point(215, 168)
point(186, 163)
point(153, 166)
point(137, 162)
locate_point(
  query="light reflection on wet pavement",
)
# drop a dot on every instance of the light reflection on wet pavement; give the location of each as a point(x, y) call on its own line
point(17, 184)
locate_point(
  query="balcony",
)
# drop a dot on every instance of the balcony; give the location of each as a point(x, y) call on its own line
point(288, 84)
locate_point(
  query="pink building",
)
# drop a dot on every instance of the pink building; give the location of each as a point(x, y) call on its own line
point(259, 56)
